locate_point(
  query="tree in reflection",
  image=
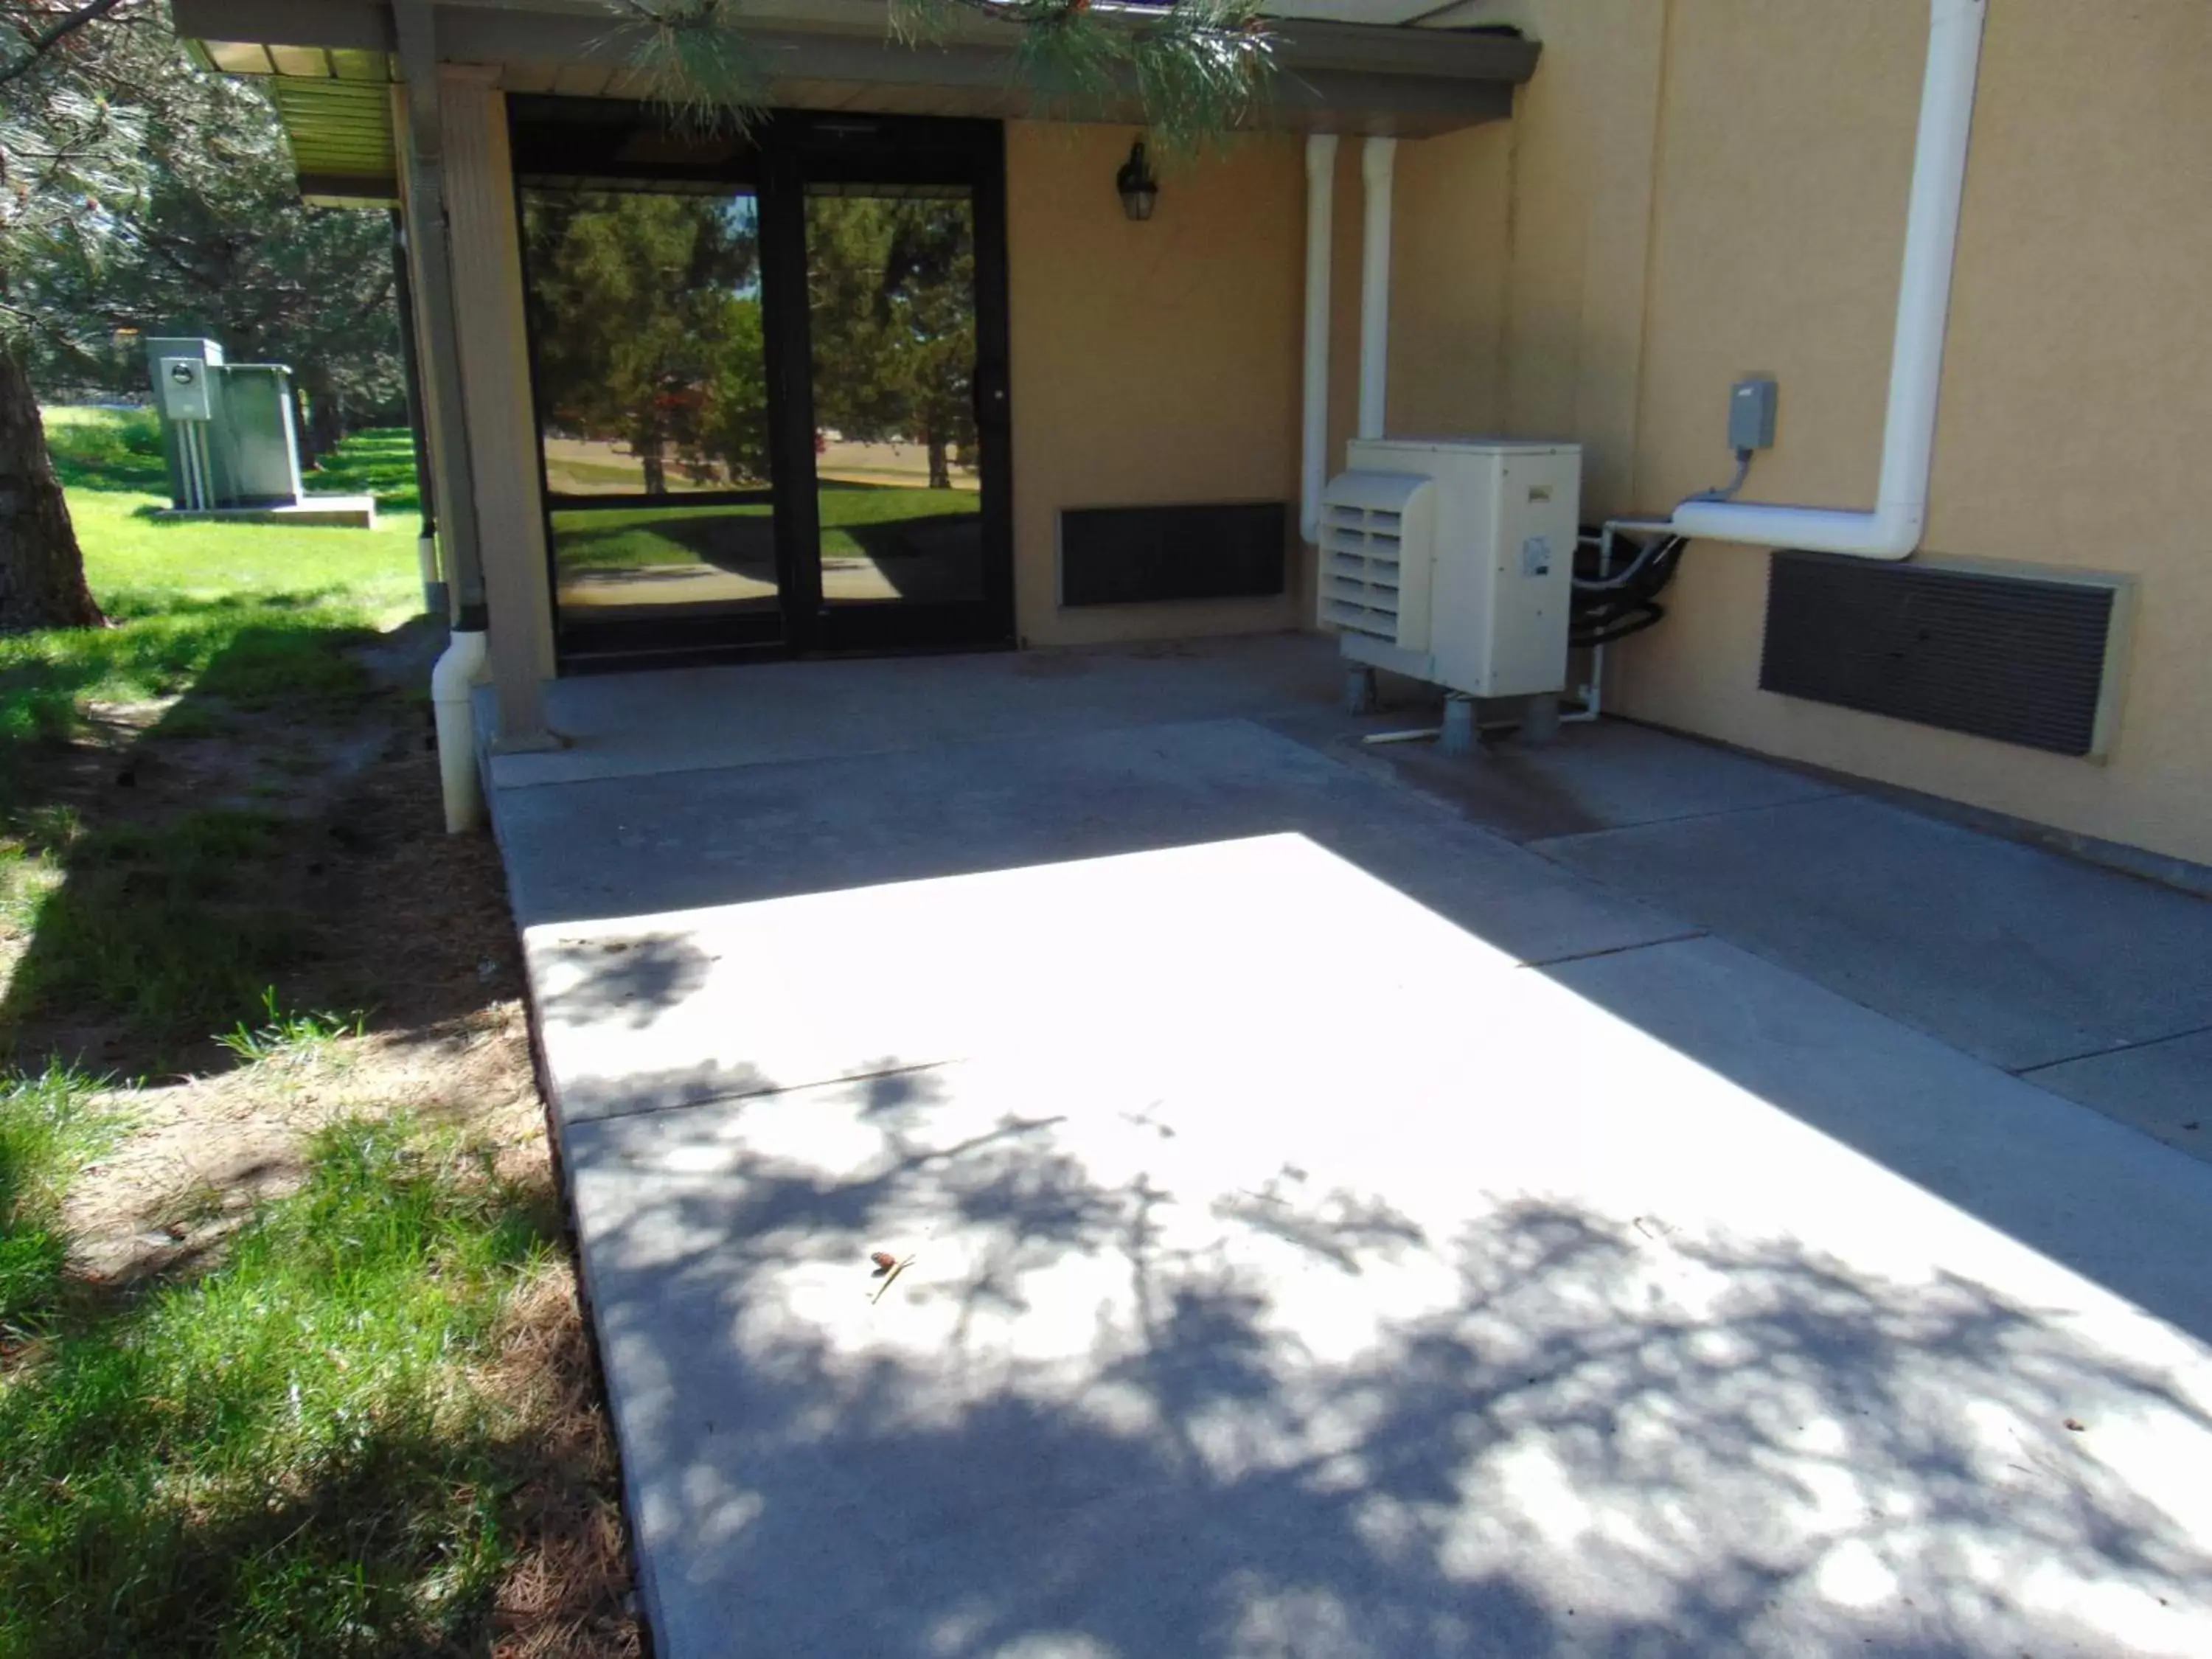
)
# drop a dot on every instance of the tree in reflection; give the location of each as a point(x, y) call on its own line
point(646, 312)
point(890, 288)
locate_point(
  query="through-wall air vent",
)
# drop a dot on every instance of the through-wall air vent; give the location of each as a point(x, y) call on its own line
point(2021, 658)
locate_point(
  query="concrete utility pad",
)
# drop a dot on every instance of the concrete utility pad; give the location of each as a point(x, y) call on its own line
point(2016, 955)
point(340, 512)
point(1449, 1314)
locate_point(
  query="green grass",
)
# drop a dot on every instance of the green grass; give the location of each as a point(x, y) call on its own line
point(165, 926)
point(48, 1128)
point(284, 1456)
point(626, 538)
point(288, 1036)
point(292, 1443)
point(250, 613)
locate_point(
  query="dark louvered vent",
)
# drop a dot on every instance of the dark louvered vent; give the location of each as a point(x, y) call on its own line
point(1143, 555)
point(2014, 658)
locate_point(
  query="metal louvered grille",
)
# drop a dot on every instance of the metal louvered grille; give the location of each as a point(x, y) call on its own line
point(2014, 658)
point(1362, 555)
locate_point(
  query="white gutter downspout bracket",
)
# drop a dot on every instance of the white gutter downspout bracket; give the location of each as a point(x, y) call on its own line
point(1377, 161)
point(1893, 529)
point(1321, 252)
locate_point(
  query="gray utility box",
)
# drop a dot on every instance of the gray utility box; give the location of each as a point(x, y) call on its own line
point(226, 429)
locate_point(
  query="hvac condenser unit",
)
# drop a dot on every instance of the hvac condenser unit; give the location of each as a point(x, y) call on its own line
point(1453, 562)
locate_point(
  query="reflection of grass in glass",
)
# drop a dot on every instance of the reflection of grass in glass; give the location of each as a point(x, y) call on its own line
point(635, 539)
point(565, 475)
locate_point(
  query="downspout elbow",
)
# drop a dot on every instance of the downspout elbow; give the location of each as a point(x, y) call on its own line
point(453, 688)
point(1894, 528)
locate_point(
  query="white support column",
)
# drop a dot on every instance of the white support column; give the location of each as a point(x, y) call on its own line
point(1377, 161)
point(487, 275)
point(1321, 250)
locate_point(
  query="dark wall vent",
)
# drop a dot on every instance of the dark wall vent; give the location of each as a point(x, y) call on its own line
point(2019, 659)
point(1151, 555)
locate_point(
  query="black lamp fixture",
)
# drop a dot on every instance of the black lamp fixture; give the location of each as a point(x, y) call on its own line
point(1139, 190)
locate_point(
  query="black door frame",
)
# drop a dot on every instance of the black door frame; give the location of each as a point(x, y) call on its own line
point(778, 156)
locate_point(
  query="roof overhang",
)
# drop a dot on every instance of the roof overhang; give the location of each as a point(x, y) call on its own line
point(331, 61)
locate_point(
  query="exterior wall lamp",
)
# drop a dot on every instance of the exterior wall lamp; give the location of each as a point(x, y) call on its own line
point(1140, 189)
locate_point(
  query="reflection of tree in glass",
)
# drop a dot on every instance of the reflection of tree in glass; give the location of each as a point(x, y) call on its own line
point(890, 285)
point(646, 311)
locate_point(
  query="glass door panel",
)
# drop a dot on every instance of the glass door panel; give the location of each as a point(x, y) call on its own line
point(892, 310)
point(653, 411)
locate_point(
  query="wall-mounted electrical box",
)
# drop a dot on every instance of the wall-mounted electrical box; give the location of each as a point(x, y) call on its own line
point(1453, 560)
point(1752, 406)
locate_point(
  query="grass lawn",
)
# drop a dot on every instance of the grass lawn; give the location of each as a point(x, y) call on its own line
point(291, 1360)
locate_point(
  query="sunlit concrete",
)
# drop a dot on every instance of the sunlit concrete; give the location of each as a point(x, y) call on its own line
point(1327, 1227)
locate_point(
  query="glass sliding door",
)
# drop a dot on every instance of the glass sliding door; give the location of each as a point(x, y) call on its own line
point(770, 370)
point(891, 319)
point(652, 408)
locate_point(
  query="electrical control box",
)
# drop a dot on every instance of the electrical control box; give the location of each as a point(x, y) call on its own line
point(1452, 561)
point(1752, 407)
point(181, 385)
point(228, 430)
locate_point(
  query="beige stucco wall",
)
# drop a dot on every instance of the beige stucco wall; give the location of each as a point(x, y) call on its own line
point(1151, 363)
point(1692, 189)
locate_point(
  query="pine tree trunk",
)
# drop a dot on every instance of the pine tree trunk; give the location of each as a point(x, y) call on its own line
point(41, 569)
point(941, 462)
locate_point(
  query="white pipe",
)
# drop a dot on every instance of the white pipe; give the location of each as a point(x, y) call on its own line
point(1377, 158)
point(426, 563)
point(1893, 529)
point(453, 683)
point(1321, 249)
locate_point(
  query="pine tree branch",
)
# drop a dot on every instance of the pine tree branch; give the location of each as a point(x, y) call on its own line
point(44, 41)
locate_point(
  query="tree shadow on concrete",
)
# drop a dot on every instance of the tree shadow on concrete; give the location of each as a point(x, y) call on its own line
point(1108, 1413)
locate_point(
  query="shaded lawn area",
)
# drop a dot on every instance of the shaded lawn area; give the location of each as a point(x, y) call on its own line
point(291, 1360)
point(858, 521)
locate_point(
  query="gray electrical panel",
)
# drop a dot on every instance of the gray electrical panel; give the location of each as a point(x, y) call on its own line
point(228, 430)
point(1751, 405)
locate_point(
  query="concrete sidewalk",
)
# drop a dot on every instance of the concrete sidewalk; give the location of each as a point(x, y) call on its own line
point(1343, 1217)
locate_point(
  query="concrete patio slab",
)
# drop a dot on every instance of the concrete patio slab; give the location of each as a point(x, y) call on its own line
point(1540, 1338)
point(684, 840)
point(1290, 1265)
point(1605, 776)
point(2086, 1191)
point(690, 719)
point(2163, 1088)
point(2015, 955)
point(1194, 951)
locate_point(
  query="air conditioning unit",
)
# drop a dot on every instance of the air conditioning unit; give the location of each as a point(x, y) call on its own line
point(1453, 560)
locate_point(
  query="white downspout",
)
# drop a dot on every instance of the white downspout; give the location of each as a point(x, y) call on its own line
point(1377, 160)
point(452, 684)
point(1321, 249)
point(1893, 529)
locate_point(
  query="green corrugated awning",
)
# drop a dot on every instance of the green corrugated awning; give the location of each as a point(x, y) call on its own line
point(336, 106)
point(342, 144)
